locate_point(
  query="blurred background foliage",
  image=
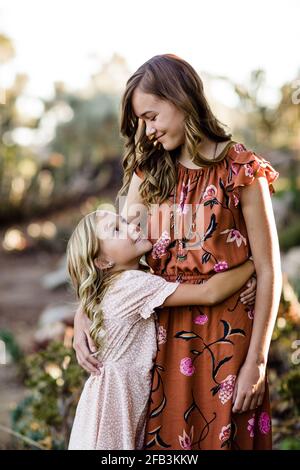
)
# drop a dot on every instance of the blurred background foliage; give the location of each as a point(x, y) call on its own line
point(60, 159)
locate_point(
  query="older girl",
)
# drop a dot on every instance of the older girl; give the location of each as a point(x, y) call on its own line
point(209, 388)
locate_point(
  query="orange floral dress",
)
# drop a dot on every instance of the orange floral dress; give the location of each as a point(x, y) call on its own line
point(201, 348)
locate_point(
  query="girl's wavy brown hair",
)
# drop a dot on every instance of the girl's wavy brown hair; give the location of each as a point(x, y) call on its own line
point(171, 78)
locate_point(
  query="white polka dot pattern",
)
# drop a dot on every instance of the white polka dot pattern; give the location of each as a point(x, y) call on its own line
point(113, 406)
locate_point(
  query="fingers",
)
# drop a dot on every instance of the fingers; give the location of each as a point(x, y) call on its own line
point(90, 342)
point(260, 399)
point(254, 402)
point(84, 357)
point(242, 403)
point(238, 402)
point(247, 401)
point(248, 295)
point(250, 290)
point(248, 299)
point(86, 365)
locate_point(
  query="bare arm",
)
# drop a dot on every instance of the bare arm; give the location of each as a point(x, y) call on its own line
point(83, 343)
point(258, 213)
point(217, 288)
point(259, 217)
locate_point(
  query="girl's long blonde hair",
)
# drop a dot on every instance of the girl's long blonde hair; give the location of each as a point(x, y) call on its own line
point(89, 282)
point(170, 78)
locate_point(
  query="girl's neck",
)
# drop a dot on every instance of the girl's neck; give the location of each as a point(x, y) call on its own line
point(206, 148)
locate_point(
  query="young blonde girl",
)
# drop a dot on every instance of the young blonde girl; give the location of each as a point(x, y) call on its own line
point(119, 296)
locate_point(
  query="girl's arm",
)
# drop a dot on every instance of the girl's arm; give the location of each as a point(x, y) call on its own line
point(217, 288)
point(259, 217)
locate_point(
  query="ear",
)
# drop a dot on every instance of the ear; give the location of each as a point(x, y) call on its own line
point(100, 263)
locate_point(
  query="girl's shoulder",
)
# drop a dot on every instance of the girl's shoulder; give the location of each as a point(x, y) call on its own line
point(131, 277)
point(243, 166)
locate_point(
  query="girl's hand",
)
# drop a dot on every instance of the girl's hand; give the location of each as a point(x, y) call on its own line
point(249, 388)
point(84, 345)
point(248, 296)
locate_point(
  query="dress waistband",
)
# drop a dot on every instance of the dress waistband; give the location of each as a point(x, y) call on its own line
point(186, 277)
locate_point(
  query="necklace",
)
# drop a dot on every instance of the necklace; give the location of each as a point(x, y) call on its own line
point(181, 250)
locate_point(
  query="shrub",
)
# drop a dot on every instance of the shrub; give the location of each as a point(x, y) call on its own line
point(55, 381)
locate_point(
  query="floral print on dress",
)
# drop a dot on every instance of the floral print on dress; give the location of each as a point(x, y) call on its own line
point(182, 208)
point(226, 388)
point(248, 170)
point(235, 200)
point(159, 248)
point(251, 424)
point(239, 148)
point(250, 311)
point(186, 366)
point(201, 319)
point(220, 266)
point(235, 168)
point(161, 335)
point(264, 423)
point(210, 192)
point(186, 440)
point(196, 370)
point(224, 435)
point(235, 236)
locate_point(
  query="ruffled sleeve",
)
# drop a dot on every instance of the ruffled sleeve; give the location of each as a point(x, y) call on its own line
point(156, 290)
point(137, 293)
point(244, 167)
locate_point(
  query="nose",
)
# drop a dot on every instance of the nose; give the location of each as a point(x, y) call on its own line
point(150, 134)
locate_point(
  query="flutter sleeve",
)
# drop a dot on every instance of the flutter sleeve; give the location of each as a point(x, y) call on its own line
point(154, 292)
point(244, 167)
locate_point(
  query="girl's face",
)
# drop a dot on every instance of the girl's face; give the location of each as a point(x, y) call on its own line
point(120, 242)
point(161, 118)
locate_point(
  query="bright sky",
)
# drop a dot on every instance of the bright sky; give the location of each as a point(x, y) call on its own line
point(68, 40)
